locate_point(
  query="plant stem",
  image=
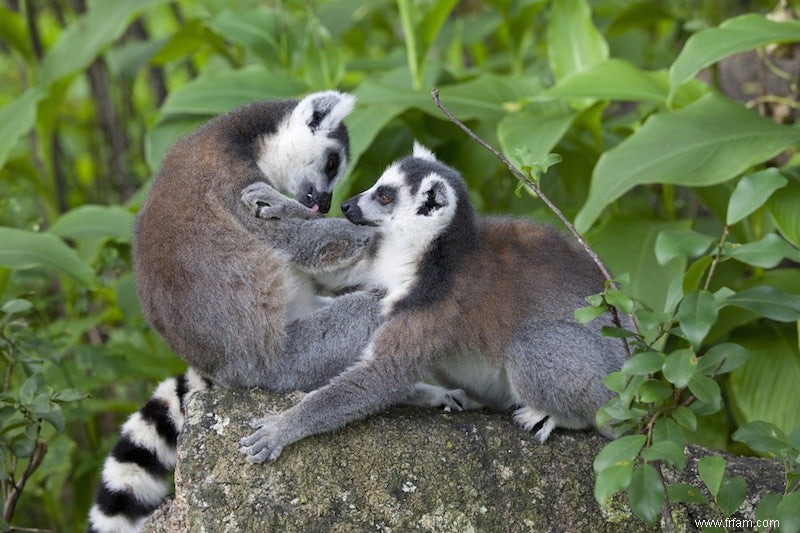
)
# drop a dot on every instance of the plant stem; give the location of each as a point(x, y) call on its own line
point(411, 42)
point(725, 231)
point(535, 188)
point(16, 489)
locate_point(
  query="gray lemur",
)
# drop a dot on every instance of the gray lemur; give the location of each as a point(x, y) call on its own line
point(235, 295)
point(481, 304)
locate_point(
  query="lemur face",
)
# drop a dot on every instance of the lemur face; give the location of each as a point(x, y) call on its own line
point(309, 152)
point(411, 196)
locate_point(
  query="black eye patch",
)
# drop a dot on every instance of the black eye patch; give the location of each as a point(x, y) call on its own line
point(332, 165)
point(384, 195)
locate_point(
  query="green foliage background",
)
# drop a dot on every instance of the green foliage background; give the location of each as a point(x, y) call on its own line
point(656, 167)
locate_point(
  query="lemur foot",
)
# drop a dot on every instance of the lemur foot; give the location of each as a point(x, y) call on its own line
point(449, 399)
point(528, 418)
point(265, 444)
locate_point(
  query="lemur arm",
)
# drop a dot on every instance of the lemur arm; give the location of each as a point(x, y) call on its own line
point(315, 244)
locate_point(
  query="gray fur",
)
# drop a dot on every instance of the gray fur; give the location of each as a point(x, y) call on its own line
point(228, 272)
point(488, 308)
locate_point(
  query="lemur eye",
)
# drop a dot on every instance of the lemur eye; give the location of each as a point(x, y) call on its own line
point(332, 164)
point(384, 199)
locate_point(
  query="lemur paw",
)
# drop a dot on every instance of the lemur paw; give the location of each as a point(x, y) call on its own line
point(265, 444)
point(449, 399)
point(263, 200)
point(457, 400)
point(529, 418)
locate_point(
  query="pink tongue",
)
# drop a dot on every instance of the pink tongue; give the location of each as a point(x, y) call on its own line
point(314, 208)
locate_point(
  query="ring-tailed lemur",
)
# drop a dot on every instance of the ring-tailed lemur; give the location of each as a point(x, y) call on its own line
point(482, 304)
point(235, 295)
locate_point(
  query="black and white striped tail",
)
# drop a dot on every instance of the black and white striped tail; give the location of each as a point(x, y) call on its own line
point(134, 481)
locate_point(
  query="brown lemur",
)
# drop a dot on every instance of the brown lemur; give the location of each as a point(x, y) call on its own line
point(484, 304)
point(236, 296)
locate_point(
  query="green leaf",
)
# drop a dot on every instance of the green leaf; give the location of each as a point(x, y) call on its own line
point(763, 437)
point(536, 128)
point(694, 274)
point(95, 221)
point(55, 416)
point(684, 493)
point(620, 300)
point(17, 305)
point(613, 79)
point(619, 452)
point(731, 494)
point(782, 206)
point(611, 480)
point(643, 363)
point(573, 42)
point(711, 469)
point(21, 250)
point(752, 192)
point(587, 314)
point(679, 367)
point(667, 429)
point(712, 361)
point(767, 301)
point(680, 243)
point(707, 142)
point(28, 389)
point(685, 417)
point(666, 450)
point(646, 493)
point(787, 512)
point(16, 119)
point(85, 38)
point(758, 389)
point(732, 36)
point(253, 28)
point(766, 253)
point(69, 395)
point(696, 314)
point(705, 389)
point(654, 391)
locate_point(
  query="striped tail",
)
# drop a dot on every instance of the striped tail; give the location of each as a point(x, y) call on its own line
point(134, 481)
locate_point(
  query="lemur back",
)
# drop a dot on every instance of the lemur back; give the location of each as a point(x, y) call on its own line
point(482, 304)
point(234, 295)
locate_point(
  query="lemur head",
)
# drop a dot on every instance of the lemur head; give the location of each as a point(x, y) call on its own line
point(308, 153)
point(417, 197)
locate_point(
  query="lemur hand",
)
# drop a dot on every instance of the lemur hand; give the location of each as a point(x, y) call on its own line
point(266, 202)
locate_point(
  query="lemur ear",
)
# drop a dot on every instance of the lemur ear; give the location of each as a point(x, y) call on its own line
point(434, 194)
point(323, 111)
point(422, 152)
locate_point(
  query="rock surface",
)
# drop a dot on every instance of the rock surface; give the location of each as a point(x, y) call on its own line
point(405, 469)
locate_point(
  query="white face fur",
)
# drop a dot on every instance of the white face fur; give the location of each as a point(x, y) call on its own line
point(301, 158)
point(408, 223)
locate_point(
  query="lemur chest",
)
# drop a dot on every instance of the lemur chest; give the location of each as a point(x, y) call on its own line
point(302, 296)
point(395, 268)
point(481, 378)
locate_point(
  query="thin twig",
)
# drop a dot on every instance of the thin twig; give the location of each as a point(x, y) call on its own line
point(717, 256)
point(535, 188)
point(16, 490)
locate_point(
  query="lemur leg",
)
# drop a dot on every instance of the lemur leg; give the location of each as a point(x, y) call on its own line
point(375, 383)
point(556, 371)
point(325, 343)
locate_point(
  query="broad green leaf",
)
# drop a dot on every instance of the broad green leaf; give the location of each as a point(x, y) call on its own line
point(490, 97)
point(612, 479)
point(681, 243)
point(587, 314)
point(20, 249)
point(782, 206)
point(573, 42)
point(613, 79)
point(253, 28)
point(653, 391)
point(55, 416)
point(193, 36)
point(767, 301)
point(646, 493)
point(643, 363)
point(85, 38)
point(694, 274)
point(707, 142)
point(536, 128)
point(705, 389)
point(432, 21)
point(787, 512)
point(94, 221)
point(731, 494)
point(711, 469)
point(763, 437)
point(69, 395)
point(758, 390)
point(28, 389)
point(679, 367)
point(14, 32)
point(667, 429)
point(766, 253)
point(696, 314)
point(752, 191)
point(16, 119)
point(685, 417)
point(666, 450)
point(684, 493)
point(17, 305)
point(617, 452)
point(732, 36)
point(626, 245)
point(722, 358)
